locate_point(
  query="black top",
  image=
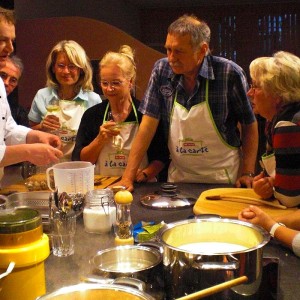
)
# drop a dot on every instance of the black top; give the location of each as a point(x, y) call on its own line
point(92, 119)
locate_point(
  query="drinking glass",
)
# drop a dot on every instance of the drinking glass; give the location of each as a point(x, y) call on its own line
point(116, 139)
point(53, 106)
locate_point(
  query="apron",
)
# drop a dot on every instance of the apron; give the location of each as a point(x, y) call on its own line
point(113, 161)
point(198, 152)
point(69, 115)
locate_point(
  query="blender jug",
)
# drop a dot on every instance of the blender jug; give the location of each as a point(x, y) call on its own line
point(71, 177)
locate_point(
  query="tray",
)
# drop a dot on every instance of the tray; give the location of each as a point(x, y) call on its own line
point(230, 209)
point(35, 200)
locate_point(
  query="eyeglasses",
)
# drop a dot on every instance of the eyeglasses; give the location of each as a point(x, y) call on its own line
point(113, 84)
point(70, 67)
point(13, 81)
point(253, 86)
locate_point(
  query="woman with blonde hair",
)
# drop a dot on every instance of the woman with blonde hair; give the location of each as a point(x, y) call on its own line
point(68, 93)
point(98, 141)
point(275, 94)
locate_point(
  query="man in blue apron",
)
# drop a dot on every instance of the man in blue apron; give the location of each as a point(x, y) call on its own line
point(200, 99)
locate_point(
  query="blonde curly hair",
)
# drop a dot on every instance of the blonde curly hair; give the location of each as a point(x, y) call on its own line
point(278, 75)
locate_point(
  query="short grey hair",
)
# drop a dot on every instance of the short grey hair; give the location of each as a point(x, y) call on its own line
point(191, 25)
point(17, 62)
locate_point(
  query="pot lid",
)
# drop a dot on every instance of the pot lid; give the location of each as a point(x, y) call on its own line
point(168, 197)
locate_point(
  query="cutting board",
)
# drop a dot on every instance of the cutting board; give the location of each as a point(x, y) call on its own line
point(229, 209)
point(101, 182)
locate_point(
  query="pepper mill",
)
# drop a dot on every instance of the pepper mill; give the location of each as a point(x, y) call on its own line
point(123, 226)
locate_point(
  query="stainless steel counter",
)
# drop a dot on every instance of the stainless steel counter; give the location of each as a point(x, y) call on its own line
point(67, 271)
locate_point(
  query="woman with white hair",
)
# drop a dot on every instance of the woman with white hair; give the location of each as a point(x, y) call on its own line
point(275, 94)
point(69, 84)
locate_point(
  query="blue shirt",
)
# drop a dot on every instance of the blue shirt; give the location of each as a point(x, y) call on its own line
point(227, 95)
point(45, 95)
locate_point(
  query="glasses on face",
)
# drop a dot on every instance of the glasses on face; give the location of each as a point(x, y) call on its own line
point(254, 86)
point(113, 84)
point(13, 81)
point(70, 67)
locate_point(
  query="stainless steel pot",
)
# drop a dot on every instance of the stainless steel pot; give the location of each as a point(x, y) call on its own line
point(189, 268)
point(86, 291)
point(140, 262)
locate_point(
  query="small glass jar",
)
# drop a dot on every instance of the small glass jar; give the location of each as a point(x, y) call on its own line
point(99, 213)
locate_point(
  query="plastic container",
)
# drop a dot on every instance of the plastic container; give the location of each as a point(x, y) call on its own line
point(99, 213)
point(22, 241)
point(71, 177)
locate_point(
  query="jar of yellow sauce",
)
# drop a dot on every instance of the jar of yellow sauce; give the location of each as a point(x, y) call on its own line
point(22, 242)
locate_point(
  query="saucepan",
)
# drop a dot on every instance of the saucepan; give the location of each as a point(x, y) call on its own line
point(132, 261)
point(200, 253)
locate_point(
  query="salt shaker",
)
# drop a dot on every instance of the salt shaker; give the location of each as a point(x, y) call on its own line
point(123, 226)
point(99, 213)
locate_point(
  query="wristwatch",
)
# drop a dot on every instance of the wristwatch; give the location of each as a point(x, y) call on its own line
point(274, 228)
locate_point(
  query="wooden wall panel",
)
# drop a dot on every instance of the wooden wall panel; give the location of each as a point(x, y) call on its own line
point(36, 37)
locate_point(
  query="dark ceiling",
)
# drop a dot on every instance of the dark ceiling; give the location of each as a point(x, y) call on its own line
point(192, 3)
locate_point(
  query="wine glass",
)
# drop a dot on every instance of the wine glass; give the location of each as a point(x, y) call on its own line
point(53, 106)
point(116, 128)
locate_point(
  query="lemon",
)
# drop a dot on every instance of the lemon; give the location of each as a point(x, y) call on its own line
point(123, 197)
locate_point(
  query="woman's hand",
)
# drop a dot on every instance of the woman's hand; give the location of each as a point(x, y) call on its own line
point(263, 186)
point(106, 131)
point(256, 216)
point(50, 123)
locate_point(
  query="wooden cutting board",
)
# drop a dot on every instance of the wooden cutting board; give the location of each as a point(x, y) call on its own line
point(229, 209)
point(101, 182)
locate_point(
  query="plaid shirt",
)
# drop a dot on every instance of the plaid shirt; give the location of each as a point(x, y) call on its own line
point(226, 95)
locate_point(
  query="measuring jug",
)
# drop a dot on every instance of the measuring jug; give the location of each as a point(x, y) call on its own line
point(71, 177)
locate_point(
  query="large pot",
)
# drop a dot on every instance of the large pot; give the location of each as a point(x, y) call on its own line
point(140, 262)
point(199, 253)
point(87, 291)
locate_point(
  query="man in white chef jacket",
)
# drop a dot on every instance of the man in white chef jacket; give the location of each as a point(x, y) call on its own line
point(200, 99)
point(19, 143)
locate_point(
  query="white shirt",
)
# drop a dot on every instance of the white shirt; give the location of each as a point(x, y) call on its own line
point(10, 132)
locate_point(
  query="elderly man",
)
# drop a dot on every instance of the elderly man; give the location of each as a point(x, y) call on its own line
point(19, 143)
point(11, 74)
point(200, 100)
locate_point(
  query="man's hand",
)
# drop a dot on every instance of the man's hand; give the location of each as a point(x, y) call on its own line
point(37, 136)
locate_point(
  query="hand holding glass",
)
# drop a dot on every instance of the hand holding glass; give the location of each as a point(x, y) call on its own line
point(116, 128)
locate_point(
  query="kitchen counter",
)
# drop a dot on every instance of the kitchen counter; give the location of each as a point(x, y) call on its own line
point(69, 270)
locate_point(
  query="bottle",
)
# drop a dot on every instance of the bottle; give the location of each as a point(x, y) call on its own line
point(123, 225)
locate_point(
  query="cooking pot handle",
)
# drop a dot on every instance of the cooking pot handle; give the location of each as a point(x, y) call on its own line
point(156, 245)
point(230, 265)
point(216, 266)
point(131, 282)
point(126, 281)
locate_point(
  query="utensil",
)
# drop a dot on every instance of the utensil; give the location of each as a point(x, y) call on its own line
point(72, 177)
point(9, 270)
point(244, 199)
point(215, 289)
point(201, 253)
